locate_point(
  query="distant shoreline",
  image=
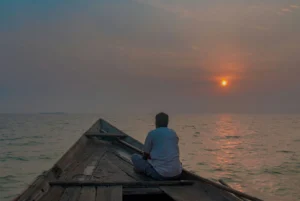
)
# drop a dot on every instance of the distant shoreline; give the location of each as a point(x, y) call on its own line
point(52, 113)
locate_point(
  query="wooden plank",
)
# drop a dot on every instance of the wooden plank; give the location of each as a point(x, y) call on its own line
point(127, 167)
point(97, 134)
point(142, 191)
point(72, 153)
point(77, 165)
point(83, 171)
point(95, 127)
point(130, 146)
point(109, 194)
point(71, 194)
point(107, 171)
point(85, 168)
point(225, 184)
point(87, 194)
point(225, 188)
point(215, 193)
point(124, 184)
point(194, 193)
point(73, 164)
point(37, 189)
point(53, 194)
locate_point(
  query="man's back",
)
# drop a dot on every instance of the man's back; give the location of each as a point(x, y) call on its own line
point(162, 145)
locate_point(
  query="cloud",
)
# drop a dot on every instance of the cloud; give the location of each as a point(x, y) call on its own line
point(295, 6)
point(286, 10)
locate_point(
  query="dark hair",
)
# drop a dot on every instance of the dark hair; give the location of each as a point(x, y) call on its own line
point(161, 120)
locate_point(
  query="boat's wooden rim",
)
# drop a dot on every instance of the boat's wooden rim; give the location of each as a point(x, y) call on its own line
point(95, 134)
point(141, 184)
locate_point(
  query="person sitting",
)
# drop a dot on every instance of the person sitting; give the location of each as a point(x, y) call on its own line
point(160, 160)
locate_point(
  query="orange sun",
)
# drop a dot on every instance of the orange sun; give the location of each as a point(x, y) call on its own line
point(224, 83)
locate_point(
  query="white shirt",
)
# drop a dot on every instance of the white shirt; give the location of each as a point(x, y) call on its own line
point(162, 145)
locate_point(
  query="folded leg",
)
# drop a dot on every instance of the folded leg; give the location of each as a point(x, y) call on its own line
point(142, 166)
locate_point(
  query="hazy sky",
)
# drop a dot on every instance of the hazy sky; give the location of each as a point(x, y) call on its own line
point(149, 55)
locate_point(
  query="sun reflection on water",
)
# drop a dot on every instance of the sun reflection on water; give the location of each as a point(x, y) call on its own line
point(229, 141)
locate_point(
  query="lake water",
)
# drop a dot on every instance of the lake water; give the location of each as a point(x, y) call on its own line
point(257, 154)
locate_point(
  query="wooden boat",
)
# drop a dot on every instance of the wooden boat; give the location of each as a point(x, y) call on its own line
point(98, 168)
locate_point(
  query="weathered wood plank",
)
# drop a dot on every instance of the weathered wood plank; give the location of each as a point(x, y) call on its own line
point(127, 167)
point(54, 194)
point(96, 127)
point(107, 171)
point(84, 171)
point(124, 184)
point(130, 146)
point(109, 194)
point(73, 164)
point(194, 193)
point(71, 194)
point(87, 194)
point(142, 191)
point(37, 189)
point(72, 153)
point(215, 193)
point(85, 168)
point(222, 190)
point(225, 184)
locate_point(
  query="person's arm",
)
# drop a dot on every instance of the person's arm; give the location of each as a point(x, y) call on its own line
point(147, 147)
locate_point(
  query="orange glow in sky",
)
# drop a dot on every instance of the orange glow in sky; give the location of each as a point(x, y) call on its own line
point(224, 83)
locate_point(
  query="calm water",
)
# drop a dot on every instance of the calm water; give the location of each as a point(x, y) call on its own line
point(258, 154)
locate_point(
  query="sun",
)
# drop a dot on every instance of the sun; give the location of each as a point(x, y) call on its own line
point(224, 83)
